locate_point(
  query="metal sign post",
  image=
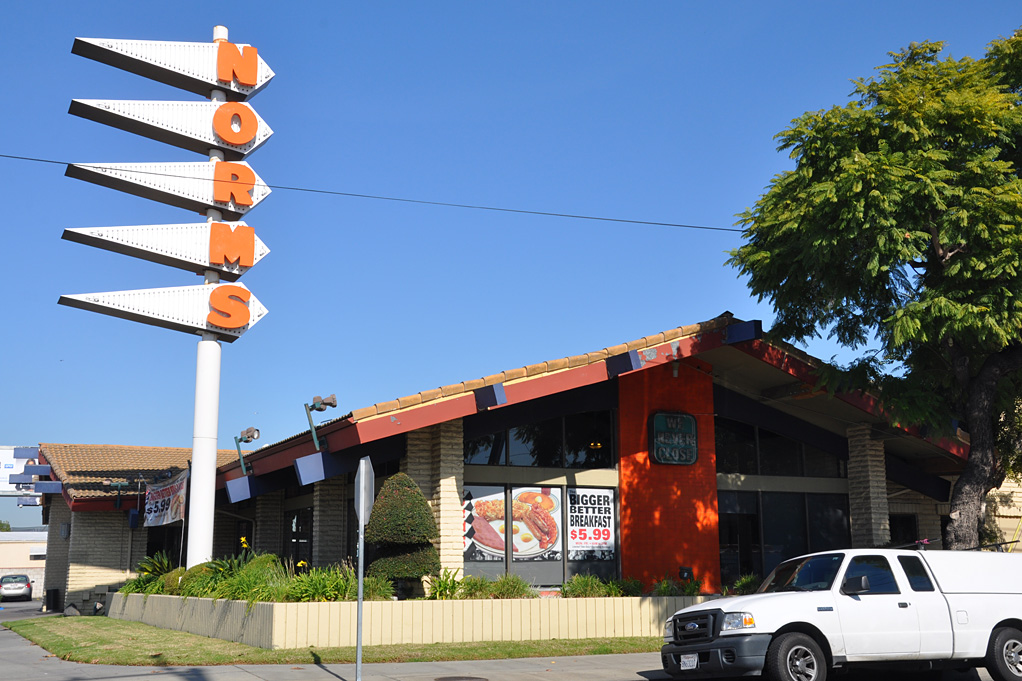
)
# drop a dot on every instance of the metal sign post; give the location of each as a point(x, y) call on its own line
point(365, 494)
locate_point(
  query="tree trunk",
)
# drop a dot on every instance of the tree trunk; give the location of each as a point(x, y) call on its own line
point(980, 471)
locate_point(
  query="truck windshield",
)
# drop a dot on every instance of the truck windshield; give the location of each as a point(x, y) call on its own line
point(811, 573)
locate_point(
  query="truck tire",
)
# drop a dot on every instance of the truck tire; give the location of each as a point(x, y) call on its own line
point(1004, 656)
point(796, 657)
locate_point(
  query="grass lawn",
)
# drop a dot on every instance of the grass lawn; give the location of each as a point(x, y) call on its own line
point(102, 640)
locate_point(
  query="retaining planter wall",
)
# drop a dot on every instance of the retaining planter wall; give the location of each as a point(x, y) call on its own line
point(300, 625)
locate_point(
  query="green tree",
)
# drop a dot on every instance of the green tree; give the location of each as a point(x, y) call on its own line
point(401, 528)
point(899, 233)
point(5, 526)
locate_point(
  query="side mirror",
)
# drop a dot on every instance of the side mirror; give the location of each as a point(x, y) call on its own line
point(855, 585)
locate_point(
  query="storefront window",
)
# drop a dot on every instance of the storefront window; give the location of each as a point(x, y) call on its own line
point(488, 450)
point(748, 450)
point(537, 444)
point(298, 535)
point(587, 440)
point(583, 440)
point(544, 534)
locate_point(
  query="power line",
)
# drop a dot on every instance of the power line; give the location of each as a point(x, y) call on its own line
point(378, 197)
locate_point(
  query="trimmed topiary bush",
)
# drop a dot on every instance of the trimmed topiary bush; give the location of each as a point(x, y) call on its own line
point(401, 528)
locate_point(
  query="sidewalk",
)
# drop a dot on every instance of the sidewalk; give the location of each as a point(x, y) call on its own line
point(21, 660)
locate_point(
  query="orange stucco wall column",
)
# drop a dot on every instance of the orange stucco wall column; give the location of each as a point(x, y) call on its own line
point(668, 512)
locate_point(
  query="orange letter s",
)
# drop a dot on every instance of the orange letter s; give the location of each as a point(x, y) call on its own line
point(229, 307)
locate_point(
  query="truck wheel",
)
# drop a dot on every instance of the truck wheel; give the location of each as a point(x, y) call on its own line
point(795, 657)
point(1004, 656)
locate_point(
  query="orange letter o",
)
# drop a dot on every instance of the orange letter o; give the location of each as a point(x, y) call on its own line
point(225, 115)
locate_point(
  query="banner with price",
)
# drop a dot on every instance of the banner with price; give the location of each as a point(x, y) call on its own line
point(165, 503)
point(590, 519)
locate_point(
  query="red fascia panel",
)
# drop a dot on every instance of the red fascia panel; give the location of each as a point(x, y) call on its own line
point(801, 370)
point(102, 503)
point(345, 434)
point(556, 382)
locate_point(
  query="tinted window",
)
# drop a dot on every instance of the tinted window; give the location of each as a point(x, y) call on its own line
point(736, 447)
point(488, 450)
point(587, 440)
point(537, 444)
point(877, 570)
point(917, 577)
point(778, 455)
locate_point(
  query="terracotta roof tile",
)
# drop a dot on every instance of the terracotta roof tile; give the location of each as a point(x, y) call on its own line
point(541, 368)
point(82, 468)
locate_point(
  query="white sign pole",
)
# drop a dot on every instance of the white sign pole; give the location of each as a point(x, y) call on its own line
point(202, 486)
point(365, 493)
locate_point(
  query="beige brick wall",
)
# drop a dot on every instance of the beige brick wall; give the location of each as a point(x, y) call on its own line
point(1006, 505)
point(268, 523)
point(331, 508)
point(435, 460)
point(867, 488)
point(102, 555)
point(926, 510)
point(57, 547)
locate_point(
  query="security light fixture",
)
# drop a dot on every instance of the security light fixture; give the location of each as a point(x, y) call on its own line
point(319, 404)
point(247, 435)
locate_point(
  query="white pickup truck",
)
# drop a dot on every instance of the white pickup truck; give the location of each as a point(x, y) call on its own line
point(889, 608)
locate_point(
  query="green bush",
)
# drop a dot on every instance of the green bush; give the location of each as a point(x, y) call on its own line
point(624, 587)
point(394, 563)
point(336, 583)
point(475, 587)
point(157, 564)
point(139, 585)
point(172, 581)
point(198, 581)
point(691, 587)
point(511, 586)
point(666, 587)
point(262, 578)
point(376, 589)
point(444, 586)
point(584, 586)
point(746, 584)
point(401, 515)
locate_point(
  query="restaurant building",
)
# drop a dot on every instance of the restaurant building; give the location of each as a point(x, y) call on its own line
point(702, 451)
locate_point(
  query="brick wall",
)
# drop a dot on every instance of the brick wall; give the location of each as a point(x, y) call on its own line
point(331, 507)
point(435, 460)
point(926, 510)
point(102, 555)
point(224, 542)
point(668, 512)
point(56, 546)
point(867, 488)
point(269, 523)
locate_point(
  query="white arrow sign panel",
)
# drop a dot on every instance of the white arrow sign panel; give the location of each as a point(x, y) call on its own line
point(229, 186)
point(233, 127)
point(231, 248)
point(195, 67)
point(228, 310)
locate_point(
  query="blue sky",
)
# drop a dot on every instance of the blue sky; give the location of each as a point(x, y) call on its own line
point(656, 111)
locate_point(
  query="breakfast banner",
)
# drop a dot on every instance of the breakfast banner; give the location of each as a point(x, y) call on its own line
point(165, 503)
point(590, 519)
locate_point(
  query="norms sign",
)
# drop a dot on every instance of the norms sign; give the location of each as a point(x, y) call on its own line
point(224, 188)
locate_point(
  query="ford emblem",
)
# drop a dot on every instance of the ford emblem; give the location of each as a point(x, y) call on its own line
point(691, 626)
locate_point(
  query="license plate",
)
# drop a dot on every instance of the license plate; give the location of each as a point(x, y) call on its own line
point(688, 661)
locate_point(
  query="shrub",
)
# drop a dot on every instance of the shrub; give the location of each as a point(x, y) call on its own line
point(666, 587)
point(262, 578)
point(746, 584)
point(397, 564)
point(511, 586)
point(624, 587)
point(584, 586)
point(138, 585)
point(198, 581)
point(445, 586)
point(337, 583)
point(172, 581)
point(401, 527)
point(400, 514)
point(691, 587)
point(475, 587)
point(157, 564)
point(375, 589)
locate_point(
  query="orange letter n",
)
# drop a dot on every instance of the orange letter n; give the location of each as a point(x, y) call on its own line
point(226, 246)
point(232, 63)
point(233, 181)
